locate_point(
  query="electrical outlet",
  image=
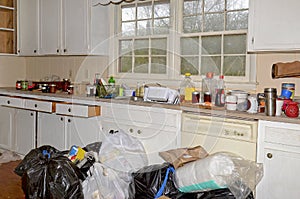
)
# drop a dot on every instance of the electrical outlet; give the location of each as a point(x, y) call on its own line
point(70, 74)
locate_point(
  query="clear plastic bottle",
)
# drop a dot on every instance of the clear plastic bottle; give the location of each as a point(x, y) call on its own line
point(220, 92)
point(209, 88)
point(187, 86)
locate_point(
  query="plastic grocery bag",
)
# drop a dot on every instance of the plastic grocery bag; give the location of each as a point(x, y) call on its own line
point(122, 152)
point(46, 173)
point(153, 181)
point(220, 170)
point(106, 183)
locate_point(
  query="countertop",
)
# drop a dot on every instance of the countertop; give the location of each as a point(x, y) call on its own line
point(197, 109)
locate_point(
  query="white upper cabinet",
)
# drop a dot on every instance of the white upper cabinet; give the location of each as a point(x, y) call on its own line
point(274, 25)
point(62, 27)
point(27, 42)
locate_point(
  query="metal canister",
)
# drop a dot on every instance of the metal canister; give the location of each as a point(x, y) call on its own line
point(195, 97)
point(270, 101)
point(18, 84)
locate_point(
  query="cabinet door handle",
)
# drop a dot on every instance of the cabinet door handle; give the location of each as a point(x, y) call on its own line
point(31, 114)
point(69, 120)
point(69, 110)
point(269, 155)
point(57, 50)
point(65, 50)
point(131, 130)
point(139, 131)
point(34, 51)
point(61, 119)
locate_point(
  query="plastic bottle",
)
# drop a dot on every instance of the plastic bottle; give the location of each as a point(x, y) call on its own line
point(111, 81)
point(209, 88)
point(220, 92)
point(187, 86)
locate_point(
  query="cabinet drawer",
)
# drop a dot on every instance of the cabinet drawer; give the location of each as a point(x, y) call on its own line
point(150, 115)
point(38, 105)
point(12, 101)
point(283, 135)
point(79, 110)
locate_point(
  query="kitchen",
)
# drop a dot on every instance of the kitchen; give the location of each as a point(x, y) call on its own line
point(82, 68)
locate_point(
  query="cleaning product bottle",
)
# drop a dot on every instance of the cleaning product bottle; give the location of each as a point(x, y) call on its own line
point(187, 86)
point(209, 88)
point(111, 81)
point(220, 92)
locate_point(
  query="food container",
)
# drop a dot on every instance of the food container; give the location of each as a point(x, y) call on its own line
point(231, 102)
point(70, 89)
point(65, 85)
point(52, 88)
point(45, 88)
point(270, 101)
point(195, 97)
point(242, 99)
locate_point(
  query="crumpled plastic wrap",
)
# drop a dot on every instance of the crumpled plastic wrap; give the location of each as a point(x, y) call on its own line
point(220, 170)
point(122, 152)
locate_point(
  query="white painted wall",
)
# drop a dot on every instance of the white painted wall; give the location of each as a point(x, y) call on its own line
point(12, 68)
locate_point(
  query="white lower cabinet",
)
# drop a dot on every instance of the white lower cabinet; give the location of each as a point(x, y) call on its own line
point(157, 128)
point(25, 131)
point(62, 132)
point(6, 127)
point(279, 151)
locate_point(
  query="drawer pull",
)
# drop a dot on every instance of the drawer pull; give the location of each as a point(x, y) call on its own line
point(8, 102)
point(139, 131)
point(31, 114)
point(69, 120)
point(269, 155)
point(35, 105)
point(61, 119)
point(69, 109)
point(131, 130)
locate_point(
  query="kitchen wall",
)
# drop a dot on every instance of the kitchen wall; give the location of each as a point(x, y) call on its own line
point(76, 68)
point(11, 69)
point(264, 64)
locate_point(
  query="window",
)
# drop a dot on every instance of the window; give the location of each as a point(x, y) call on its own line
point(214, 37)
point(144, 30)
point(196, 36)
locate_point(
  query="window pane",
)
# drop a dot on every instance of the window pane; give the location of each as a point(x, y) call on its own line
point(126, 47)
point(125, 64)
point(159, 46)
point(234, 65)
point(128, 13)
point(211, 64)
point(161, 26)
point(141, 64)
point(237, 4)
point(237, 20)
point(189, 46)
point(192, 24)
point(191, 7)
point(189, 65)
point(211, 45)
point(159, 65)
point(141, 47)
point(144, 11)
point(161, 9)
point(144, 27)
point(214, 5)
point(128, 29)
point(213, 22)
point(235, 44)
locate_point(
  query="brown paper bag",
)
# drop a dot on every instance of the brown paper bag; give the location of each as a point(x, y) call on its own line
point(180, 156)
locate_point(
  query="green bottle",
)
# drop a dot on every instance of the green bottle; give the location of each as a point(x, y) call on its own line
point(111, 81)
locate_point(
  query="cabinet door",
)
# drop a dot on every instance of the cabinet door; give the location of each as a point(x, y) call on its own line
point(6, 127)
point(82, 131)
point(75, 17)
point(50, 26)
point(281, 175)
point(274, 25)
point(25, 131)
point(51, 130)
point(28, 27)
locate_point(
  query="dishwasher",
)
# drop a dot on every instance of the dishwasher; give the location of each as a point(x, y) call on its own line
point(217, 133)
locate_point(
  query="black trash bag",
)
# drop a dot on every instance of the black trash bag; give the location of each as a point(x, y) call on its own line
point(34, 156)
point(153, 181)
point(213, 194)
point(53, 178)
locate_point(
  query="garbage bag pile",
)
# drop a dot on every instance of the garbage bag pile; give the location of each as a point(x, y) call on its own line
point(117, 168)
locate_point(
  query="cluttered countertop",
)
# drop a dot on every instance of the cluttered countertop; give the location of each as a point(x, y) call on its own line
point(186, 107)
